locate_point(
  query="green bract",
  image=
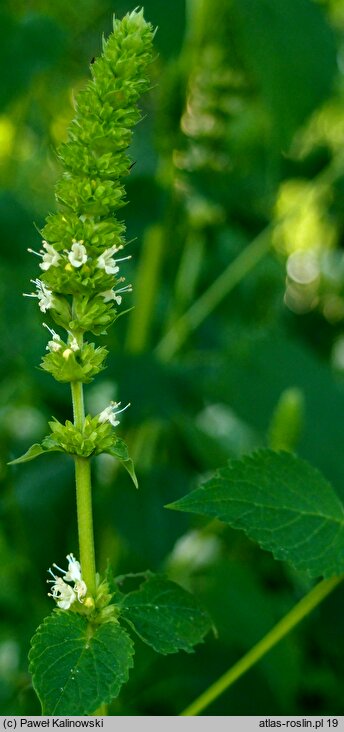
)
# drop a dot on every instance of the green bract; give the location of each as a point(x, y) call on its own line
point(66, 365)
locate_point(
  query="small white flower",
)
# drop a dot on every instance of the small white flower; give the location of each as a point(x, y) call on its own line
point(109, 414)
point(55, 344)
point(115, 295)
point(80, 589)
point(63, 593)
point(73, 343)
point(78, 254)
point(45, 296)
point(50, 257)
point(106, 261)
point(74, 569)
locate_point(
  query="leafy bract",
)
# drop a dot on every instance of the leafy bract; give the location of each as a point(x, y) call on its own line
point(119, 450)
point(77, 667)
point(281, 502)
point(165, 616)
point(33, 452)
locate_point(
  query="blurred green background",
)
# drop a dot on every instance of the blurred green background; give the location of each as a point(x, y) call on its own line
point(237, 220)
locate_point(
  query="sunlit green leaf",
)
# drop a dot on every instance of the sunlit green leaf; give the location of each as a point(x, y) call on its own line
point(281, 502)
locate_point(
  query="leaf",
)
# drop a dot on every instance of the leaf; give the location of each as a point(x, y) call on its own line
point(129, 466)
point(281, 502)
point(76, 667)
point(165, 616)
point(33, 452)
point(120, 451)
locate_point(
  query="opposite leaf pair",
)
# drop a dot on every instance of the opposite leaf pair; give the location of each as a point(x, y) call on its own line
point(78, 663)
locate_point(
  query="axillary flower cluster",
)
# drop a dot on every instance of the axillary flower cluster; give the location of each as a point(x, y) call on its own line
point(62, 592)
point(80, 284)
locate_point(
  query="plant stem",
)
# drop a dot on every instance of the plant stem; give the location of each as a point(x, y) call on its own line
point(217, 291)
point(84, 498)
point(283, 627)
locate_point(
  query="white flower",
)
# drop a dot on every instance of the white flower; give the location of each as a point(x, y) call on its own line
point(115, 295)
point(63, 593)
point(73, 343)
point(106, 261)
point(78, 254)
point(109, 414)
point(56, 342)
point(45, 296)
point(80, 589)
point(74, 569)
point(54, 345)
point(50, 257)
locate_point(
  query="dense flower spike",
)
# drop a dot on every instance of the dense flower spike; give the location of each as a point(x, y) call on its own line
point(81, 240)
point(81, 282)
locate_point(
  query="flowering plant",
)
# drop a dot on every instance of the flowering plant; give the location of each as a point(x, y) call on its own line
point(81, 654)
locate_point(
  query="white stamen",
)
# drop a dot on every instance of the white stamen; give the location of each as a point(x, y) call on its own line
point(32, 251)
point(115, 295)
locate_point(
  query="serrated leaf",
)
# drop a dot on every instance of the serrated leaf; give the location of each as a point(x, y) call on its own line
point(33, 452)
point(281, 502)
point(165, 616)
point(76, 667)
point(120, 451)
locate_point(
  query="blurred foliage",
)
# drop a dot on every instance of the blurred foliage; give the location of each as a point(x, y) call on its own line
point(242, 137)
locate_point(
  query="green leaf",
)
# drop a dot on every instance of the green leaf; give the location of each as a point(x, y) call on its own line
point(281, 502)
point(77, 667)
point(119, 450)
point(33, 452)
point(165, 616)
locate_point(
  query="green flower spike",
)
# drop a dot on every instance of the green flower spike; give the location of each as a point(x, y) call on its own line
point(81, 284)
point(82, 653)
